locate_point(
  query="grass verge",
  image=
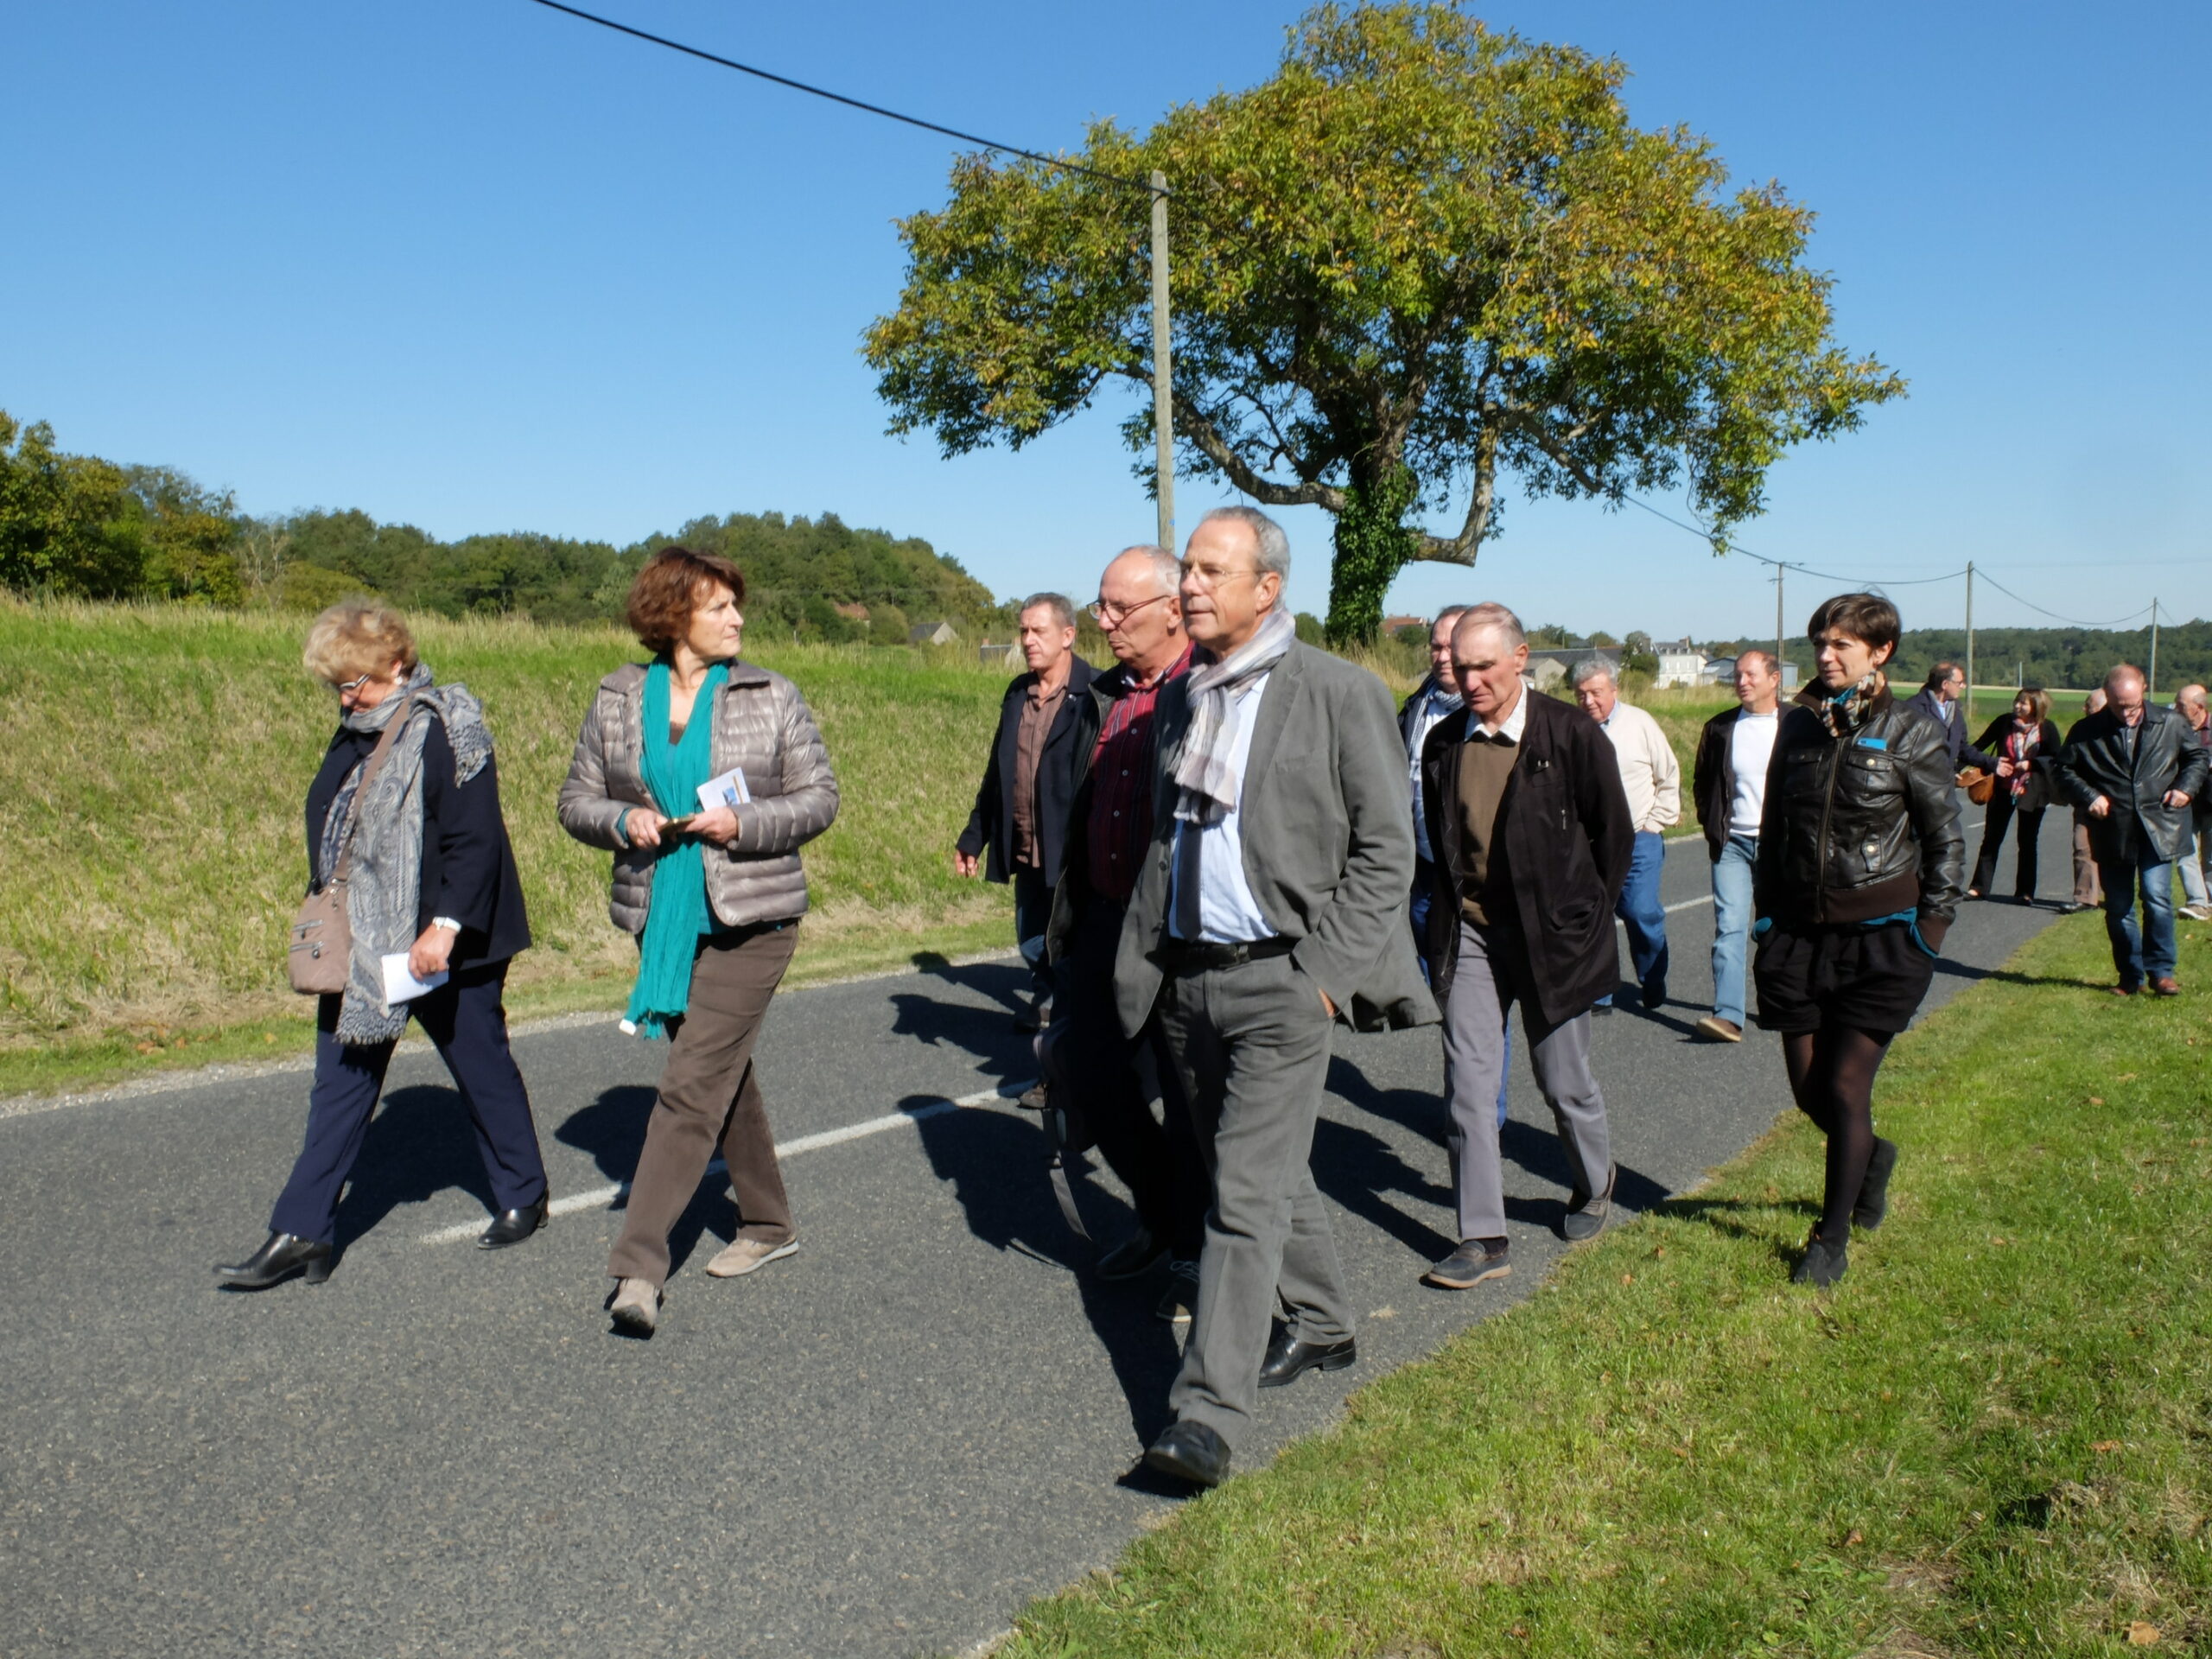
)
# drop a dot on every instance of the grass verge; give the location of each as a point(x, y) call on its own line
point(1992, 1439)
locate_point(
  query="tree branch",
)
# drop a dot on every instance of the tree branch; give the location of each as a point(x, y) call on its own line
point(1194, 424)
point(1462, 548)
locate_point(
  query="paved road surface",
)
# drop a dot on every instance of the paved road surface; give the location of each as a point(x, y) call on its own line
point(880, 1446)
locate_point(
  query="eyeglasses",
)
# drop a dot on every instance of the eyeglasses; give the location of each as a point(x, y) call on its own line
point(1212, 575)
point(1108, 614)
point(353, 685)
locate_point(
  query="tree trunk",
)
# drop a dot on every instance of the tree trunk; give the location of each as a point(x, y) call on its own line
point(1373, 544)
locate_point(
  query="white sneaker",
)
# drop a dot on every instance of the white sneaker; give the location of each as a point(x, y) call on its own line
point(745, 1255)
point(636, 1307)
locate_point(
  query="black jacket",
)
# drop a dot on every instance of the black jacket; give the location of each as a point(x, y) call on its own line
point(1566, 839)
point(2043, 765)
point(469, 868)
point(2166, 755)
point(1712, 784)
point(1858, 829)
point(1962, 752)
point(991, 824)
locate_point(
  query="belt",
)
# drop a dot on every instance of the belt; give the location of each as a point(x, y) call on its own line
point(1189, 956)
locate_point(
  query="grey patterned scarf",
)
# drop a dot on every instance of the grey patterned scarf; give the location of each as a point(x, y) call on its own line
point(384, 896)
point(1205, 775)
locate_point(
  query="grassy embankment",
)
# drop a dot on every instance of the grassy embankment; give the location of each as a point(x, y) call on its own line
point(149, 799)
point(1992, 1439)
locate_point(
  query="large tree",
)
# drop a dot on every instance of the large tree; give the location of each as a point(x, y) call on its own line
point(1423, 254)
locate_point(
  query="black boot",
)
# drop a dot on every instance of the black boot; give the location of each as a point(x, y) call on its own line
point(278, 1261)
point(1874, 1192)
point(1822, 1264)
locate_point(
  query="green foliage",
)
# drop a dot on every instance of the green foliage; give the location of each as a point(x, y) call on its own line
point(2062, 656)
point(1422, 244)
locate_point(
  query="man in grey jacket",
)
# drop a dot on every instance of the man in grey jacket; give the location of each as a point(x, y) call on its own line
point(1268, 908)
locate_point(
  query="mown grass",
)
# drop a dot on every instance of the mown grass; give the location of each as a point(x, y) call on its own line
point(1992, 1439)
point(150, 789)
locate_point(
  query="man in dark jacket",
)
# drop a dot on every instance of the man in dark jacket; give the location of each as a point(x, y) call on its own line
point(2135, 768)
point(1939, 699)
point(1728, 781)
point(1028, 788)
point(1533, 839)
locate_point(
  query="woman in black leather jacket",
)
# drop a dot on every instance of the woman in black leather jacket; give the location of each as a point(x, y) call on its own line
point(1858, 879)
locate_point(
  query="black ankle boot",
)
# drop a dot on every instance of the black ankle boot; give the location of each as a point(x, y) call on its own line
point(1821, 1265)
point(1874, 1192)
point(278, 1261)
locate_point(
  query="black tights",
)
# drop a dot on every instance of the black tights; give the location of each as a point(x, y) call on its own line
point(1832, 1074)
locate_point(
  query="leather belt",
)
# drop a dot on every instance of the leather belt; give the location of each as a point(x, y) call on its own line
point(1196, 957)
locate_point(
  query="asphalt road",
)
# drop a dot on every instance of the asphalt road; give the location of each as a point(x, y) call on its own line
point(880, 1446)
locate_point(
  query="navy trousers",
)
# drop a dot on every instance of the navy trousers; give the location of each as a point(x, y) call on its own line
point(467, 1018)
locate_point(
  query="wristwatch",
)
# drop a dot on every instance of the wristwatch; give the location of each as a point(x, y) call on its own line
point(445, 921)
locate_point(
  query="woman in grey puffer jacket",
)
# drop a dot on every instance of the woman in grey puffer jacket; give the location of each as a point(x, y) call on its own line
point(712, 893)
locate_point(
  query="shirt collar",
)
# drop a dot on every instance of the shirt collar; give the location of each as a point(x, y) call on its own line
point(1508, 733)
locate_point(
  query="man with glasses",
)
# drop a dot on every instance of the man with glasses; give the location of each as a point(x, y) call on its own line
point(1108, 835)
point(1269, 905)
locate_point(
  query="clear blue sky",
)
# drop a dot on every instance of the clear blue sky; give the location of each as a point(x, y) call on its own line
point(477, 266)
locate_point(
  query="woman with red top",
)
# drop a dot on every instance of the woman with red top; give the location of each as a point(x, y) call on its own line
point(2026, 743)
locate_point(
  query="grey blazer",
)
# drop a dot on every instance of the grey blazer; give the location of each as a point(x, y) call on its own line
point(1328, 844)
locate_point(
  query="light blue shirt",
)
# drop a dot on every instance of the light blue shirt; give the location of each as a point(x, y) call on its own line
point(1438, 706)
point(1226, 914)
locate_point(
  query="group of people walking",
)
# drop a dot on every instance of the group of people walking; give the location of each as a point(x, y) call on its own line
point(1223, 848)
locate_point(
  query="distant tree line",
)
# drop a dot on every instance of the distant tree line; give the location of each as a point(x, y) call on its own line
point(80, 526)
point(2071, 657)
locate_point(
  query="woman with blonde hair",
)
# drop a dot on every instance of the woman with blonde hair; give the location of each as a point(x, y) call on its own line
point(703, 776)
point(2026, 745)
point(407, 799)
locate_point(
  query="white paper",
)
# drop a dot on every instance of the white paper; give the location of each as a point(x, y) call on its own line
point(400, 984)
point(728, 789)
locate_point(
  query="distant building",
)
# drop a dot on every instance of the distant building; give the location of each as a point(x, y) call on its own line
point(1391, 624)
point(932, 633)
point(855, 612)
point(1549, 665)
point(1000, 656)
point(1680, 664)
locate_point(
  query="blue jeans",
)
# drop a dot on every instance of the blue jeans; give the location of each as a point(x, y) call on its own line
point(1639, 906)
point(1417, 913)
point(1731, 925)
point(1032, 914)
point(2149, 952)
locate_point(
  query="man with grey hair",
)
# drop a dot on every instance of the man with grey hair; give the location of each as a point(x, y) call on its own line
point(1653, 779)
point(1268, 909)
point(1434, 698)
point(1022, 807)
point(2196, 855)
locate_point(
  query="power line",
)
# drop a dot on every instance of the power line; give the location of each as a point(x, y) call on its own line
point(852, 102)
point(2071, 621)
point(1781, 564)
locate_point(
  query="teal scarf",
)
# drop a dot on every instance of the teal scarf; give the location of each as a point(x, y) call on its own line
point(678, 914)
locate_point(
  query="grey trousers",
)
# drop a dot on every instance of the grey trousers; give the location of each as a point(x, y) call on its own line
point(1490, 977)
point(1251, 1045)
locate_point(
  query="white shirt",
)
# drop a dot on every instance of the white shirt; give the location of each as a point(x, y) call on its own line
point(1515, 723)
point(1434, 709)
point(1750, 746)
point(1649, 773)
point(1226, 914)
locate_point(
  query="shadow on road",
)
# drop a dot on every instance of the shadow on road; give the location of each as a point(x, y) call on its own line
point(986, 1033)
point(420, 1144)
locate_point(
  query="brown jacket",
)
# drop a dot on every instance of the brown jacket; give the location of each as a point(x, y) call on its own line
point(765, 727)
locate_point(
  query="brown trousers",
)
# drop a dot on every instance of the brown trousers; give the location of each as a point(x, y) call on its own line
point(2088, 888)
point(709, 1093)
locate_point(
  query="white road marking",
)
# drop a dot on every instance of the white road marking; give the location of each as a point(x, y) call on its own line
point(600, 1198)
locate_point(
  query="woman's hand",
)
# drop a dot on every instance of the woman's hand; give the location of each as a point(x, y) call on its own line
point(641, 827)
point(2004, 768)
point(431, 953)
point(718, 825)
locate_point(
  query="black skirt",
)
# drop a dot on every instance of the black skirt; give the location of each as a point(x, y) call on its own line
point(1869, 978)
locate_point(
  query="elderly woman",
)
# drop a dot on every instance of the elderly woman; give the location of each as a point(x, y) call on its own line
point(703, 776)
point(408, 799)
point(2026, 743)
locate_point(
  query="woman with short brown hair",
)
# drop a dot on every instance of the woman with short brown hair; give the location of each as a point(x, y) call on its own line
point(2026, 744)
point(703, 775)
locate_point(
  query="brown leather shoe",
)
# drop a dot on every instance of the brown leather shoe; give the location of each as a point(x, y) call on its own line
point(2168, 986)
point(1713, 1028)
point(2124, 990)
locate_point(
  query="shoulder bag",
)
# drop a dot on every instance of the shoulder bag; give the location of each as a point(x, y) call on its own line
point(321, 953)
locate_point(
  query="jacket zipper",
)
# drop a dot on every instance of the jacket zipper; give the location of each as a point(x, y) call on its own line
point(1820, 847)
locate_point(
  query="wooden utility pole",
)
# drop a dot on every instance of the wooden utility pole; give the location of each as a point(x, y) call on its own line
point(1163, 396)
point(1967, 711)
point(1778, 624)
point(2151, 691)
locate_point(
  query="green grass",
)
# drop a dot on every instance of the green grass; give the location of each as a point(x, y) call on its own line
point(1992, 1439)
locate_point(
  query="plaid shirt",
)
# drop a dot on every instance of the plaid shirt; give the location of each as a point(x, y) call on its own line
point(1120, 827)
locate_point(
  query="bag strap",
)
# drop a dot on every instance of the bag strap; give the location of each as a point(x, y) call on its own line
point(370, 767)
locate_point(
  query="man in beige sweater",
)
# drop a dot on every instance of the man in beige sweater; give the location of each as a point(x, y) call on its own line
point(1652, 779)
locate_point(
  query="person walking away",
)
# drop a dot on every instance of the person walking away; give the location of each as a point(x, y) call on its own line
point(2025, 744)
point(2196, 857)
point(1535, 836)
point(1939, 699)
point(1653, 779)
point(713, 895)
point(1728, 783)
point(405, 812)
point(1268, 909)
point(1021, 808)
point(2088, 891)
point(1109, 834)
point(2135, 768)
point(1859, 878)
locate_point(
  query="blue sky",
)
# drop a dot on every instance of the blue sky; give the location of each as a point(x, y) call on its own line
point(478, 266)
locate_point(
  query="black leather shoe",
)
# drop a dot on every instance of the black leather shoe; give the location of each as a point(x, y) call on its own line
point(1822, 1265)
point(278, 1261)
point(512, 1227)
point(1138, 1254)
point(1289, 1358)
point(1585, 1216)
point(1874, 1192)
point(1190, 1452)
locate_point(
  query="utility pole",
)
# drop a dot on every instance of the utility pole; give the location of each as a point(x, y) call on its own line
point(1778, 622)
point(2151, 691)
point(1163, 396)
point(1967, 711)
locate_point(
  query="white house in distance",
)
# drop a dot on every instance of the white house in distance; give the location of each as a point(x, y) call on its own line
point(1680, 664)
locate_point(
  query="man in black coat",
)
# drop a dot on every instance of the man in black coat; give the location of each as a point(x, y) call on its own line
point(1939, 700)
point(2134, 769)
point(1029, 783)
point(1533, 842)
